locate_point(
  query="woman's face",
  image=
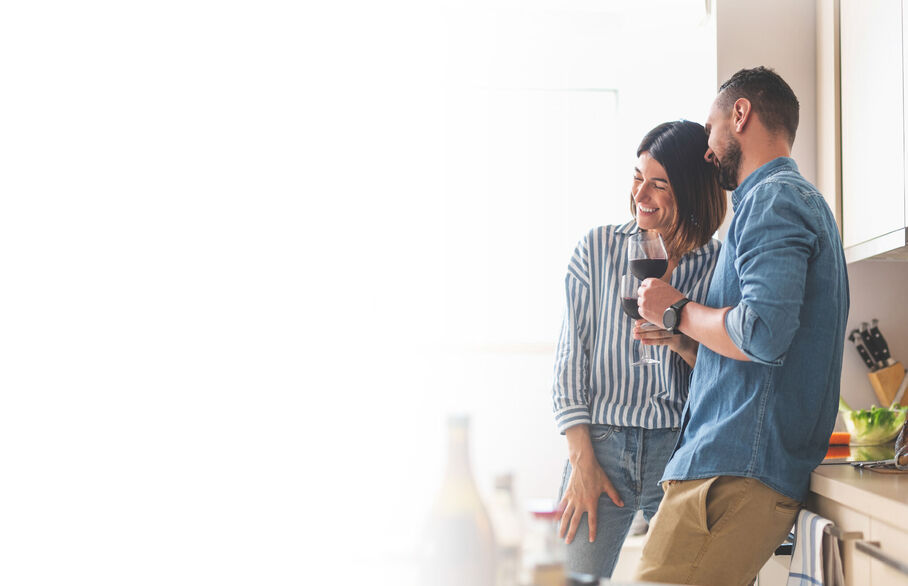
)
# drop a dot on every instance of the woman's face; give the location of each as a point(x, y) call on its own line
point(654, 199)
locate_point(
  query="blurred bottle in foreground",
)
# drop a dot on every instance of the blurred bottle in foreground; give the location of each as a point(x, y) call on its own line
point(508, 528)
point(459, 547)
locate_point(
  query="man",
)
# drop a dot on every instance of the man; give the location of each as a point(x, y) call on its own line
point(764, 394)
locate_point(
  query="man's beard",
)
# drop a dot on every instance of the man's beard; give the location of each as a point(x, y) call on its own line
point(729, 165)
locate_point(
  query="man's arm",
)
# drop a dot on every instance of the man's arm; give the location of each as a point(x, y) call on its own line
point(707, 326)
point(699, 322)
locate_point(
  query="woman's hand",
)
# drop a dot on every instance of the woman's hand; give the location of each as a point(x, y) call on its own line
point(683, 345)
point(586, 484)
point(655, 336)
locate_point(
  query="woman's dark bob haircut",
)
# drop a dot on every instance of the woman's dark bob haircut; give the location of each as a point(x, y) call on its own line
point(700, 202)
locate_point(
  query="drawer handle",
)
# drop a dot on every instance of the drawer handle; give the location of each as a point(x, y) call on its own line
point(873, 550)
point(787, 547)
point(843, 535)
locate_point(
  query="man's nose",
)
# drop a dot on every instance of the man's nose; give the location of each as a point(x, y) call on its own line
point(709, 156)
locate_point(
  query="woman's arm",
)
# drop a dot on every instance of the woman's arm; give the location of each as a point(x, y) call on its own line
point(587, 482)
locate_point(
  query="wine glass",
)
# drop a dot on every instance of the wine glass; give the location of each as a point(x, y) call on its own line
point(646, 255)
point(629, 286)
point(647, 258)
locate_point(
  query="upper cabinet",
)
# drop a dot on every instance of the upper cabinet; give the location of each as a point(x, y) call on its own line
point(873, 126)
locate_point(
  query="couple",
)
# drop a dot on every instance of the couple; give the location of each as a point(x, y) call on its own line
point(763, 321)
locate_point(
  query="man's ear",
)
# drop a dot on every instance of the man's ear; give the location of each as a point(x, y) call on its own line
point(741, 112)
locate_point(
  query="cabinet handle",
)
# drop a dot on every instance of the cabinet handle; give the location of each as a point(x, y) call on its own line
point(872, 549)
point(787, 547)
point(842, 535)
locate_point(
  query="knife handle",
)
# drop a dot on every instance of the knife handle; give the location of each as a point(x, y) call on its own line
point(880, 343)
point(865, 356)
point(869, 343)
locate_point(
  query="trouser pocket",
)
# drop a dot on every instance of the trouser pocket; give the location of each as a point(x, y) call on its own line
point(703, 494)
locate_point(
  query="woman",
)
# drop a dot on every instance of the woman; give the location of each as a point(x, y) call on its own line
point(622, 421)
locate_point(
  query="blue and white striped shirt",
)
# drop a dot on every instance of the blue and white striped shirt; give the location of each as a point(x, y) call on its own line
point(594, 379)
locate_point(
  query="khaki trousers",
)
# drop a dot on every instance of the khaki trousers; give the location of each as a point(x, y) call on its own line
point(715, 531)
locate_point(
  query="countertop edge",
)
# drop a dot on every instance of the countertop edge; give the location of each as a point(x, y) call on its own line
point(855, 490)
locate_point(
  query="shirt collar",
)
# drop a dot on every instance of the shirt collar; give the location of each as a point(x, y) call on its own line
point(632, 228)
point(629, 228)
point(751, 181)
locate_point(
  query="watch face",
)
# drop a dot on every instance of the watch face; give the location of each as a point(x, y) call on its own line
point(670, 318)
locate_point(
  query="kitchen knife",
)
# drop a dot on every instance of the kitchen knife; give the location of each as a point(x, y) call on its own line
point(870, 344)
point(880, 343)
point(865, 356)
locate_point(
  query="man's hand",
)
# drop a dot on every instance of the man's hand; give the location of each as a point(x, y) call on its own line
point(586, 484)
point(654, 297)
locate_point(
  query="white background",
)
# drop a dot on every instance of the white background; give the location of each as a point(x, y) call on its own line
point(252, 254)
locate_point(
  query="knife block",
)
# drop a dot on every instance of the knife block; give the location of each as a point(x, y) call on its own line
point(886, 381)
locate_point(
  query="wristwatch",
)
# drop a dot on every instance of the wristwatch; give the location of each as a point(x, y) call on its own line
point(671, 319)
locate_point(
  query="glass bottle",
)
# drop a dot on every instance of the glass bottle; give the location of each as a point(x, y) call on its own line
point(459, 545)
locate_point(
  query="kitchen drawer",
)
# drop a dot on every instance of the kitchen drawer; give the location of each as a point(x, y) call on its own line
point(893, 541)
point(856, 565)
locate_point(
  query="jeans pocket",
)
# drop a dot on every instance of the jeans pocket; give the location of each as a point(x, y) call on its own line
point(600, 433)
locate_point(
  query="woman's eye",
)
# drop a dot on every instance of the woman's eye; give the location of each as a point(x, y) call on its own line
point(638, 179)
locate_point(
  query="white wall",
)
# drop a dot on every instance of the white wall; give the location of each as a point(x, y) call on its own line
point(879, 289)
point(780, 34)
point(550, 102)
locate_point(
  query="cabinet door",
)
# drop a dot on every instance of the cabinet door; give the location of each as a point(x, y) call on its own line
point(873, 160)
point(856, 565)
point(893, 541)
point(774, 571)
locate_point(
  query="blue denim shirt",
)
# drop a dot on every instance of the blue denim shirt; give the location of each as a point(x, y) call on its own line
point(782, 270)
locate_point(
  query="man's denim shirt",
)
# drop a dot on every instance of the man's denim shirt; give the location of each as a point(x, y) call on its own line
point(782, 270)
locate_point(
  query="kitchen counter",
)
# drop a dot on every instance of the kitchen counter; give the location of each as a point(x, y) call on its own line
point(880, 496)
point(870, 510)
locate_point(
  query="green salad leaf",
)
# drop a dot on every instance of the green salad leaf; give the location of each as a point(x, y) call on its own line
point(874, 425)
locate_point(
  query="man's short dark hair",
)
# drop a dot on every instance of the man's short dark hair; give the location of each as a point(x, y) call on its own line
point(770, 97)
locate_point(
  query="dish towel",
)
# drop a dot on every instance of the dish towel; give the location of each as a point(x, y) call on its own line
point(816, 560)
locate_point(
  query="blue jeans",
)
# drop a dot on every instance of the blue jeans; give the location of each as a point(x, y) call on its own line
point(633, 458)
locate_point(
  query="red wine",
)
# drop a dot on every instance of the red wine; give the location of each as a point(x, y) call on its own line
point(629, 305)
point(645, 268)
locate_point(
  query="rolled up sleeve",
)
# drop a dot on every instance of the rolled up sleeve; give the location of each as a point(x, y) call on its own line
point(774, 247)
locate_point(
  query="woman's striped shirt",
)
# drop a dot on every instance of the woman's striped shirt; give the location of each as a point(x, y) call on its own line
point(594, 379)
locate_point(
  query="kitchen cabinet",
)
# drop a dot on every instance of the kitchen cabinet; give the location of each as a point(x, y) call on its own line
point(873, 126)
point(893, 542)
point(871, 510)
point(829, 106)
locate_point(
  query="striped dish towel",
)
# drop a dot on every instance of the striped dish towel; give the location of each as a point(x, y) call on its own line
point(815, 560)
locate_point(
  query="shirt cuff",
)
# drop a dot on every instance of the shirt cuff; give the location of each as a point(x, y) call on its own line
point(739, 323)
point(570, 416)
